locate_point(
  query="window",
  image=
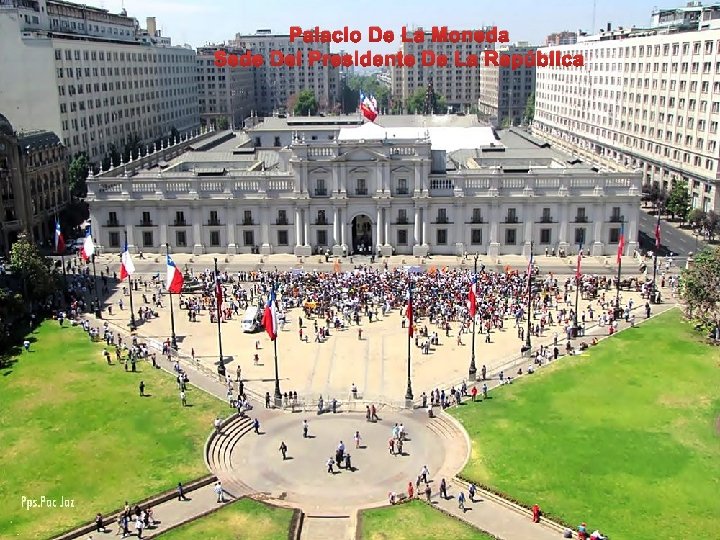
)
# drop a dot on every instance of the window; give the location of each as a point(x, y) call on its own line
point(580, 216)
point(257, 141)
point(322, 237)
point(402, 216)
point(402, 186)
point(148, 239)
point(477, 216)
point(112, 219)
point(115, 239)
point(441, 235)
point(282, 218)
point(546, 217)
point(321, 220)
point(510, 236)
point(282, 238)
point(180, 239)
point(580, 235)
point(614, 235)
point(442, 215)
point(146, 219)
point(402, 237)
point(213, 218)
point(545, 236)
point(180, 218)
point(511, 216)
point(476, 237)
point(320, 189)
point(361, 188)
point(248, 238)
point(277, 141)
point(615, 216)
point(247, 217)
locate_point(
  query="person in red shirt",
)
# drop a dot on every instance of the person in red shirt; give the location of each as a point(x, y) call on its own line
point(536, 513)
point(473, 392)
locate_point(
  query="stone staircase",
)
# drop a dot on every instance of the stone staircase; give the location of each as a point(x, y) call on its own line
point(218, 454)
point(317, 527)
point(455, 442)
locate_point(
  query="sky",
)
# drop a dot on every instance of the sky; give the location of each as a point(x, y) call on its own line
point(202, 22)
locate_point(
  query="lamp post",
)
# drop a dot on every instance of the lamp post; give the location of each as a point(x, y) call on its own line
point(528, 341)
point(411, 318)
point(621, 248)
point(472, 372)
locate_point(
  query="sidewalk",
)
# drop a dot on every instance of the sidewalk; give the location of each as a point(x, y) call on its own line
point(491, 516)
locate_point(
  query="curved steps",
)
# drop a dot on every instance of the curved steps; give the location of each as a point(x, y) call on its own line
point(218, 454)
point(444, 427)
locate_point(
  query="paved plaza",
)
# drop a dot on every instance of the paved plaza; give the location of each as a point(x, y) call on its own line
point(376, 364)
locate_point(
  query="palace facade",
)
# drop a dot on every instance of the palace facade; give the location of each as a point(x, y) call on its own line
point(415, 185)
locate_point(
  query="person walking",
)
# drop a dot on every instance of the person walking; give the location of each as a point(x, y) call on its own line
point(183, 398)
point(471, 492)
point(330, 463)
point(410, 490)
point(219, 491)
point(461, 501)
point(443, 489)
point(256, 426)
point(305, 429)
point(428, 493)
point(356, 437)
point(283, 450)
point(181, 493)
point(99, 523)
point(425, 473)
point(142, 388)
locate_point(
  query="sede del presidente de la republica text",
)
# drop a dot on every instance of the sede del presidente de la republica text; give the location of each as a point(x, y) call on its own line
point(425, 58)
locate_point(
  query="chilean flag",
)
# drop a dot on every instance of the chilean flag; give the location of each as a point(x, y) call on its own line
point(218, 294)
point(88, 249)
point(579, 260)
point(368, 107)
point(472, 296)
point(621, 243)
point(59, 240)
point(175, 278)
point(270, 317)
point(127, 268)
point(657, 233)
point(409, 314)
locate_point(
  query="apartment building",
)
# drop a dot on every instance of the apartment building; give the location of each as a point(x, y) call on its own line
point(275, 87)
point(561, 38)
point(225, 93)
point(33, 182)
point(93, 77)
point(645, 98)
point(459, 85)
point(504, 91)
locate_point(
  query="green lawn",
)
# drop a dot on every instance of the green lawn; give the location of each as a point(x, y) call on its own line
point(73, 427)
point(245, 519)
point(626, 437)
point(412, 521)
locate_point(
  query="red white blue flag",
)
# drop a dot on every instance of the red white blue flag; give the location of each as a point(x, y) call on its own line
point(472, 296)
point(368, 107)
point(175, 278)
point(621, 243)
point(59, 240)
point(88, 249)
point(127, 268)
point(270, 316)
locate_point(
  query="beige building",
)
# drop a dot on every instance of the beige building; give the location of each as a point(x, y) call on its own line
point(224, 92)
point(561, 38)
point(649, 99)
point(459, 85)
point(504, 91)
point(93, 77)
point(33, 182)
point(276, 86)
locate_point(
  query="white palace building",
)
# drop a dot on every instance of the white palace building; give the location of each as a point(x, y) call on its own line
point(440, 185)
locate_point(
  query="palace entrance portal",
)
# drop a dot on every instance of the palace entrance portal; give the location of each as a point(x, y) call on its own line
point(362, 234)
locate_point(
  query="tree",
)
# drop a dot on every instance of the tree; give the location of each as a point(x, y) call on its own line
point(78, 173)
point(416, 102)
point(307, 104)
point(700, 287)
point(36, 271)
point(711, 224)
point(370, 86)
point(505, 123)
point(222, 123)
point(530, 108)
point(696, 217)
point(678, 203)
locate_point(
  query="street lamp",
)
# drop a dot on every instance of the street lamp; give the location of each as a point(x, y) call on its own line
point(472, 372)
point(528, 341)
point(619, 259)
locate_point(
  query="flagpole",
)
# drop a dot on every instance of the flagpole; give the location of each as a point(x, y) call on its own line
point(173, 338)
point(655, 258)
point(98, 310)
point(62, 258)
point(221, 364)
point(472, 372)
point(130, 287)
point(577, 291)
point(278, 394)
point(619, 261)
point(528, 341)
point(409, 392)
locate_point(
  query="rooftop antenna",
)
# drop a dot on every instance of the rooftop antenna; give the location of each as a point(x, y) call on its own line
point(593, 16)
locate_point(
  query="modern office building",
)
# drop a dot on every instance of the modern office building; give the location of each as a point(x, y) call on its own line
point(93, 77)
point(504, 91)
point(438, 184)
point(561, 38)
point(460, 86)
point(226, 94)
point(276, 87)
point(647, 99)
point(33, 182)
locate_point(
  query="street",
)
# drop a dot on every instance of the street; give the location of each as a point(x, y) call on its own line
point(671, 239)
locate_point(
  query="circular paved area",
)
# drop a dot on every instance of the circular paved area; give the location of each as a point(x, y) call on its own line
point(304, 478)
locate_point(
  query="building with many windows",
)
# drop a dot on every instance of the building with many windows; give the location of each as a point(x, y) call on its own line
point(460, 86)
point(93, 77)
point(226, 94)
point(33, 182)
point(504, 91)
point(561, 38)
point(276, 87)
point(438, 184)
point(648, 99)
